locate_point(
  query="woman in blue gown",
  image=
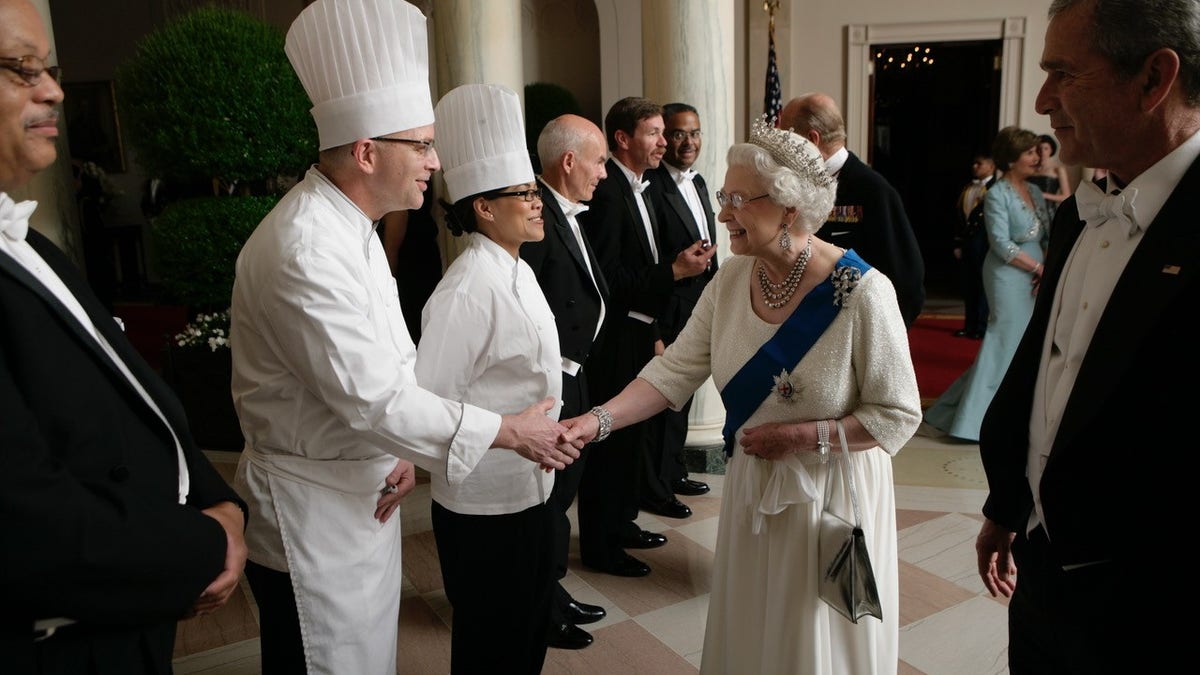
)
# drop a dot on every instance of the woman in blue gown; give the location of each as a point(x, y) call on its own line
point(1016, 220)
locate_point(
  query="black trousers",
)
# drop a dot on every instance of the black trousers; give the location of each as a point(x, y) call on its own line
point(608, 496)
point(664, 463)
point(975, 305)
point(498, 575)
point(278, 622)
point(1094, 619)
point(609, 489)
point(566, 487)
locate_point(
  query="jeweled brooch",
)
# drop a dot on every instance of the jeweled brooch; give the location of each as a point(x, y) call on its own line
point(845, 278)
point(784, 388)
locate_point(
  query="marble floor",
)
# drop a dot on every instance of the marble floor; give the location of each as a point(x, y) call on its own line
point(655, 624)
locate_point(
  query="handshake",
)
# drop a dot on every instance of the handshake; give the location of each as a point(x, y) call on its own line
point(541, 440)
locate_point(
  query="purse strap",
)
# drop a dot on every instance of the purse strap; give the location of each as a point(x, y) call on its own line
point(844, 463)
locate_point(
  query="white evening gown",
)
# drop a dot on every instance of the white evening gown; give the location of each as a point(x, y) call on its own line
point(764, 612)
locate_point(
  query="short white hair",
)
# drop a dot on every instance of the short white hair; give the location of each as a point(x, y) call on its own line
point(785, 186)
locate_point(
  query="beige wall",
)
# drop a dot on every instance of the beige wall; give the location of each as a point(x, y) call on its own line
point(811, 41)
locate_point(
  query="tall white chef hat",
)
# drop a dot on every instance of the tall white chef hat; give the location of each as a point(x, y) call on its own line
point(364, 65)
point(481, 140)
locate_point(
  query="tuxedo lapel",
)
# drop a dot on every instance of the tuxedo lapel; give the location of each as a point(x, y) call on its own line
point(64, 315)
point(632, 214)
point(705, 203)
point(1162, 266)
point(673, 196)
point(597, 275)
point(562, 228)
point(105, 325)
point(702, 190)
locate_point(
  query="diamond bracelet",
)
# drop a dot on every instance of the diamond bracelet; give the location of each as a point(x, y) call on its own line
point(606, 422)
point(823, 445)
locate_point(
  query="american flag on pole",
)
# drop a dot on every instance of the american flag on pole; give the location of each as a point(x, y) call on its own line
point(772, 92)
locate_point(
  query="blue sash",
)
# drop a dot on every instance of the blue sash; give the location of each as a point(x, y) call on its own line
point(751, 385)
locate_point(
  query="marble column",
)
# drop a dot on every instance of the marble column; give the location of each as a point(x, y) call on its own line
point(56, 215)
point(475, 42)
point(688, 57)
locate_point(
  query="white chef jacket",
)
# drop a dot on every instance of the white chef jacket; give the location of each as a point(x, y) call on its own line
point(488, 338)
point(324, 388)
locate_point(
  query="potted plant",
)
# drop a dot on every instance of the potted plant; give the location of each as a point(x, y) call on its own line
point(214, 111)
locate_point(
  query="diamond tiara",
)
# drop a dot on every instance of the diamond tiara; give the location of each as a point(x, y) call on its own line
point(790, 150)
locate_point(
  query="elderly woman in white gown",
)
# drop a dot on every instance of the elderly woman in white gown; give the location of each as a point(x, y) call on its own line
point(797, 334)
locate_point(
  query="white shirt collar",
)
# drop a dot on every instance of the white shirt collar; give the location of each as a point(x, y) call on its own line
point(837, 160)
point(679, 175)
point(568, 207)
point(1155, 185)
point(629, 174)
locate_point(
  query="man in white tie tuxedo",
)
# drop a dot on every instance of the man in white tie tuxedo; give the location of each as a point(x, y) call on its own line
point(572, 153)
point(114, 524)
point(621, 225)
point(1084, 492)
point(685, 217)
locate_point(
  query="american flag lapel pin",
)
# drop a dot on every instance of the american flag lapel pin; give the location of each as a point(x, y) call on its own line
point(1170, 269)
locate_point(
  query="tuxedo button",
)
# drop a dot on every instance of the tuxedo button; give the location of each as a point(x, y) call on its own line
point(119, 473)
point(571, 302)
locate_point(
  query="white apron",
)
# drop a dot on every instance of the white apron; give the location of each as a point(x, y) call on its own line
point(344, 564)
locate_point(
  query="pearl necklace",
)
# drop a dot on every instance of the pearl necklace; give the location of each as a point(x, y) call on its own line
point(778, 295)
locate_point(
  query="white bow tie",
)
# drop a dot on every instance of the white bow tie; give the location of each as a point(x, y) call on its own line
point(574, 210)
point(1097, 208)
point(14, 217)
point(687, 176)
point(639, 188)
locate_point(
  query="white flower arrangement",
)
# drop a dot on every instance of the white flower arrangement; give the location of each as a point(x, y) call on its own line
point(211, 330)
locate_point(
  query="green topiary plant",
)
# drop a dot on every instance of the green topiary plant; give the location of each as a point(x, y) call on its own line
point(198, 241)
point(213, 107)
point(212, 95)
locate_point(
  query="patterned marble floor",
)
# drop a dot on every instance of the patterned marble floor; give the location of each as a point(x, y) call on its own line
point(655, 625)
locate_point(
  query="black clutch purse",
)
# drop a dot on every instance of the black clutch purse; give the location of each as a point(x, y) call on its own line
point(847, 582)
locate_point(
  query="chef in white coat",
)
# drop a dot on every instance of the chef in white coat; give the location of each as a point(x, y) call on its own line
point(323, 377)
point(488, 338)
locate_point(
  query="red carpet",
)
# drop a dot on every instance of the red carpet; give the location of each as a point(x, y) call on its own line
point(939, 357)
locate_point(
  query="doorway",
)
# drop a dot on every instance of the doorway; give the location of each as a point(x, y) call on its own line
point(933, 106)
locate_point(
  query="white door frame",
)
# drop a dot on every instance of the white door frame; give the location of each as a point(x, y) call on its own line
point(860, 37)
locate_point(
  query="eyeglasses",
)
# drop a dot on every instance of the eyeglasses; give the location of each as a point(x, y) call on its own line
point(678, 135)
point(525, 195)
point(425, 146)
point(735, 199)
point(30, 68)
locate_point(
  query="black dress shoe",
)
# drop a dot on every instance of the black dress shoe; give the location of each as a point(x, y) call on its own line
point(568, 636)
point(671, 508)
point(961, 332)
point(579, 612)
point(689, 488)
point(628, 566)
point(643, 539)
